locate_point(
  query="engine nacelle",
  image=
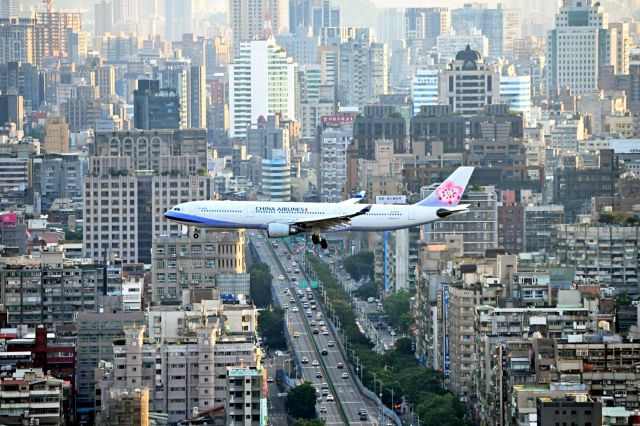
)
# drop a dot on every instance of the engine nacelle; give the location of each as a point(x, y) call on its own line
point(280, 230)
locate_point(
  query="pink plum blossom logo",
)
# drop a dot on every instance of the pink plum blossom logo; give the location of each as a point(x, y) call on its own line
point(449, 193)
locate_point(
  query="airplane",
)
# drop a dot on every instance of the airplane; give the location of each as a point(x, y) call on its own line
point(282, 219)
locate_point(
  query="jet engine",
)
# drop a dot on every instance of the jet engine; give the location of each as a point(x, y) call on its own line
point(279, 230)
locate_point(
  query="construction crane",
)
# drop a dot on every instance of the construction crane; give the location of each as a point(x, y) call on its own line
point(49, 4)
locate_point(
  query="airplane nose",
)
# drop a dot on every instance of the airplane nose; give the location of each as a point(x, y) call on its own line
point(168, 215)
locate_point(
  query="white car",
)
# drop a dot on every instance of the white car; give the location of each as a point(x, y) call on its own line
point(345, 375)
point(295, 309)
point(269, 379)
point(286, 306)
point(330, 398)
point(281, 277)
point(323, 409)
point(304, 360)
point(325, 332)
point(315, 363)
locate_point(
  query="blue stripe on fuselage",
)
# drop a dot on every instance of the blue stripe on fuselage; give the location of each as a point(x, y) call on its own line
point(199, 220)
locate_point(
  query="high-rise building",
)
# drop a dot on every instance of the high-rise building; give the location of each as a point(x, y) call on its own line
point(154, 108)
point(469, 84)
point(179, 20)
point(502, 25)
point(515, 91)
point(255, 18)
point(325, 16)
point(173, 73)
point(246, 404)
point(57, 176)
point(333, 164)
point(424, 25)
point(24, 79)
point(579, 46)
point(275, 182)
point(106, 81)
point(391, 24)
point(17, 41)
point(262, 81)
point(424, 89)
point(8, 8)
point(11, 110)
point(198, 97)
point(103, 16)
point(364, 69)
point(126, 15)
point(56, 134)
point(53, 33)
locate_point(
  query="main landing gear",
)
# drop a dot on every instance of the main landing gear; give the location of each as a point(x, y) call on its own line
point(317, 239)
point(196, 233)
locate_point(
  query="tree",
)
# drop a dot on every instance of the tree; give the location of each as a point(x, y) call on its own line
point(260, 284)
point(309, 422)
point(398, 309)
point(404, 346)
point(359, 265)
point(301, 401)
point(442, 410)
point(367, 290)
point(622, 299)
point(271, 328)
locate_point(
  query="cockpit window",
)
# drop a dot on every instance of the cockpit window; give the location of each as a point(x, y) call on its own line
point(177, 209)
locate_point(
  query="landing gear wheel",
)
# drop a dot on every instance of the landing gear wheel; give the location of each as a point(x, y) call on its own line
point(315, 239)
point(196, 235)
point(324, 244)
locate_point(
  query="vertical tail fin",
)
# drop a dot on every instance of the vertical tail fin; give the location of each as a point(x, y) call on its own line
point(450, 191)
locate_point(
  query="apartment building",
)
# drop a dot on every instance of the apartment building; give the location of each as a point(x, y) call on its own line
point(606, 254)
point(33, 396)
point(247, 401)
point(182, 263)
point(541, 227)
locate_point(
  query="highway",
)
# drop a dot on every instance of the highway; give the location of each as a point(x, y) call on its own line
point(310, 345)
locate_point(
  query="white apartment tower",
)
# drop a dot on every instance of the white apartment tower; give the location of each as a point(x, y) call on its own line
point(333, 164)
point(262, 81)
point(247, 19)
point(579, 45)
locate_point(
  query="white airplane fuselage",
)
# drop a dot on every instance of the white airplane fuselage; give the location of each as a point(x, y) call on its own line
point(259, 215)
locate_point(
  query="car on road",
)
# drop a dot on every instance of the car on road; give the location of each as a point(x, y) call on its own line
point(292, 300)
point(325, 352)
point(269, 379)
point(315, 331)
point(312, 323)
point(340, 365)
point(345, 375)
point(330, 398)
point(325, 332)
point(304, 360)
point(295, 309)
point(286, 306)
point(325, 392)
point(321, 322)
point(281, 277)
point(323, 409)
point(319, 375)
point(363, 417)
point(315, 363)
point(330, 343)
point(296, 335)
point(362, 411)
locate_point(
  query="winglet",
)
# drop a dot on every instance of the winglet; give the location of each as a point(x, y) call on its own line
point(449, 192)
point(355, 199)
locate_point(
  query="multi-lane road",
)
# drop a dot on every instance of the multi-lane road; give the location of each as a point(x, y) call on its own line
point(348, 400)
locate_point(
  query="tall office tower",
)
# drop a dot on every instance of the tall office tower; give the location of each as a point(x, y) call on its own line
point(12, 110)
point(502, 26)
point(8, 8)
point(154, 108)
point(54, 31)
point(424, 90)
point(468, 84)
point(333, 163)
point(198, 98)
point(515, 91)
point(106, 81)
point(423, 25)
point(301, 14)
point(173, 73)
point(56, 134)
point(624, 44)
point(251, 18)
point(126, 15)
point(103, 18)
point(262, 81)
point(391, 24)
point(17, 41)
point(325, 16)
point(24, 79)
point(579, 46)
point(179, 19)
point(364, 69)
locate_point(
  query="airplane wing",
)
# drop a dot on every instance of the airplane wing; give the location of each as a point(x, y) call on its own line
point(355, 199)
point(331, 221)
